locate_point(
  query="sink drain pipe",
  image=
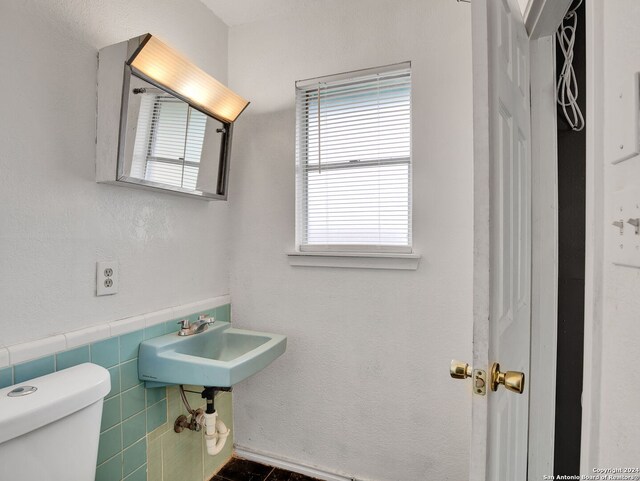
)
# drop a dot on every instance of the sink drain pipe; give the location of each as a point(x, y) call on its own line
point(215, 433)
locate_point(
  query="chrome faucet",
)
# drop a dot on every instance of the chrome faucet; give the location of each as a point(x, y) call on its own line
point(201, 325)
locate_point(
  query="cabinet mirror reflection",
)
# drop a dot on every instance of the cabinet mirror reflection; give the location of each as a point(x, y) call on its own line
point(168, 144)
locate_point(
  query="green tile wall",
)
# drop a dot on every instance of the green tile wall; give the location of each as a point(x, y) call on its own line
point(137, 442)
point(176, 457)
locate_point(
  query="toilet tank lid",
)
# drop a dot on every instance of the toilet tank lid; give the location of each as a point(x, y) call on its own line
point(58, 395)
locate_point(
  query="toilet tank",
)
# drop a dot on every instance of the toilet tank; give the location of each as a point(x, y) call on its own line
point(51, 433)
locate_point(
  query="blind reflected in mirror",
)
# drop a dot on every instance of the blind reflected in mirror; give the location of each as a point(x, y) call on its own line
point(169, 144)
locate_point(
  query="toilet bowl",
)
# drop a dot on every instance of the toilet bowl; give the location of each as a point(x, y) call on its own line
point(50, 425)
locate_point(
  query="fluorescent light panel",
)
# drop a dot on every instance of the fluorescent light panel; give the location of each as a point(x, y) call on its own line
point(166, 66)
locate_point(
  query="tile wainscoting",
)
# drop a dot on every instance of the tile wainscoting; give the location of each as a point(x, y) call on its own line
point(137, 441)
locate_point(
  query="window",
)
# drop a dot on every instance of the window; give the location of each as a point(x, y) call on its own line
point(169, 141)
point(353, 160)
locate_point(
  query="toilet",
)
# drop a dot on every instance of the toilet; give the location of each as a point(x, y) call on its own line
point(50, 425)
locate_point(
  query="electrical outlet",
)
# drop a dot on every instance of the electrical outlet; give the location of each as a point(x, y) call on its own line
point(106, 278)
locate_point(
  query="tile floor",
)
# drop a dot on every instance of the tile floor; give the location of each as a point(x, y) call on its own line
point(242, 470)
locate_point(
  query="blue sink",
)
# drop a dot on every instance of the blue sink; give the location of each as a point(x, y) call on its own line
point(220, 356)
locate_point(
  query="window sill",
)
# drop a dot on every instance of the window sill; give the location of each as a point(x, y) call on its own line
point(355, 260)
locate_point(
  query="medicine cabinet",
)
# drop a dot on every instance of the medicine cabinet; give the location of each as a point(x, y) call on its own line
point(163, 123)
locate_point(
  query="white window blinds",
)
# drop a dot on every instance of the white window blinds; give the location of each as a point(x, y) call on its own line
point(353, 156)
point(169, 140)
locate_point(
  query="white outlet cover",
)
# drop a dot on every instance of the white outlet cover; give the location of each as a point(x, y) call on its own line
point(106, 278)
point(625, 247)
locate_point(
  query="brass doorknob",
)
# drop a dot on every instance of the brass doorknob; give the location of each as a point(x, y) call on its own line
point(460, 370)
point(512, 380)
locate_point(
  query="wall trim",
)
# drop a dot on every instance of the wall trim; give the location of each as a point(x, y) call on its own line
point(277, 462)
point(355, 260)
point(27, 351)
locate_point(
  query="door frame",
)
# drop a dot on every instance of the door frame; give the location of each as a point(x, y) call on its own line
point(594, 267)
point(544, 258)
point(542, 19)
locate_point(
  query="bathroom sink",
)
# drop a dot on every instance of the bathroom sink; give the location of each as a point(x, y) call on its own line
point(219, 357)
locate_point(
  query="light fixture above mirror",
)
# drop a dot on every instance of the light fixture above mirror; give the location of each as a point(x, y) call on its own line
point(157, 63)
point(163, 123)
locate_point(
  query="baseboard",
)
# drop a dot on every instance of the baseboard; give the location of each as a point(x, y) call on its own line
point(269, 459)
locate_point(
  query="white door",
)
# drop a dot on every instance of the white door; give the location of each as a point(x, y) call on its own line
point(502, 230)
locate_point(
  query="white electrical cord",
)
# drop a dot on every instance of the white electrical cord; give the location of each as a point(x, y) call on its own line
point(567, 92)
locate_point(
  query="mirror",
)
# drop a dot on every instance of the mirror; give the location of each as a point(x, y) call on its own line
point(166, 143)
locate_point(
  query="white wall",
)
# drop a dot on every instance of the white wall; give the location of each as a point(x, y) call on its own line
point(55, 221)
point(363, 388)
point(613, 419)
